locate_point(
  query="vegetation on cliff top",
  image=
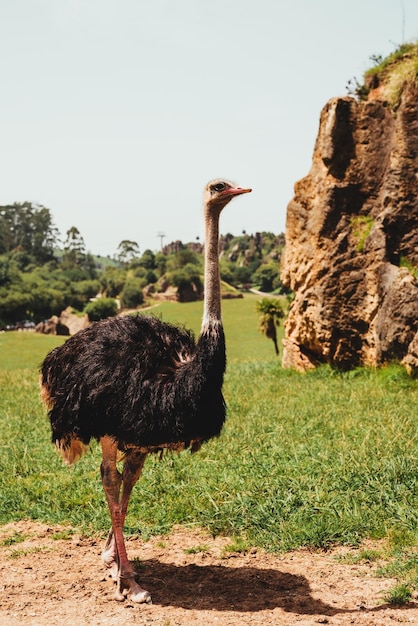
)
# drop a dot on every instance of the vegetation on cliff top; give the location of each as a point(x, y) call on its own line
point(390, 75)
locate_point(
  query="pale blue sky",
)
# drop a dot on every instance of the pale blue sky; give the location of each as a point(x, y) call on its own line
point(115, 113)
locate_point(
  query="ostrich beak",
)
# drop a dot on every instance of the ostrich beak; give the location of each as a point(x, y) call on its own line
point(235, 191)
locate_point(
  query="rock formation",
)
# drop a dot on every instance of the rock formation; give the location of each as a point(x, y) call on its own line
point(352, 238)
point(68, 323)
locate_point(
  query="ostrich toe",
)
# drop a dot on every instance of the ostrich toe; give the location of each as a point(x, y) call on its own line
point(128, 586)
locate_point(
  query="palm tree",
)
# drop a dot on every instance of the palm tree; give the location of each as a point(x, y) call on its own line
point(271, 313)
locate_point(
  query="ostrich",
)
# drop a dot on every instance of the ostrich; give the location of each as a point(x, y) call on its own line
point(139, 385)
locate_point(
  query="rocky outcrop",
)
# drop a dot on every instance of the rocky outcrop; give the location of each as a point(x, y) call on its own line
point(73, 322)
point(352, 239)
point(52, 326)
point(68, 323)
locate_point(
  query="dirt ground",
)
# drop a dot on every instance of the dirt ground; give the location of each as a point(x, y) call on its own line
point(193, 581)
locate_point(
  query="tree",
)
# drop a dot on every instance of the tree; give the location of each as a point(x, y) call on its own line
point(9, 272)
point(127, 250)
point(27, 228)
point(44, 235)
point(226, 272)
point(188, 282)
point(241, 275)
point(112, 281)
point(271, 313)
point(183, 258)
point(75, 256)
point(81, 292)
point(147, 260)
point(266, 275)
point(74, 249)
point(160, 263)
point(14, 304)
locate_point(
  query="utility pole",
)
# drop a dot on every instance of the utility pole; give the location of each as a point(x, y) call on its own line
point(161, 236)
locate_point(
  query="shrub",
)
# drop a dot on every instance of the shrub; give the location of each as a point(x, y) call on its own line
point(101, 309)
point(112, 281)
point(131, 295)
point(266, 275)
point(183, 259)
point(242, 275)
point(188, 283)
point(361, 226)
point(226, 273)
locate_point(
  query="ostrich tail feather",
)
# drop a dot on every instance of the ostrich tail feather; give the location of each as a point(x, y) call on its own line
point(70, 451)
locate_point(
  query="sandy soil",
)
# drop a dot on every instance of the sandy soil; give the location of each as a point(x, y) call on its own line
point(193, 581)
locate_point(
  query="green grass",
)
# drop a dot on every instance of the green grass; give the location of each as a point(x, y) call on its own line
point(392, 75)
point(361, 226)
point(21, 350)
point(399, 595)
point(243, 339)
point(199, 549)
point(304, 460)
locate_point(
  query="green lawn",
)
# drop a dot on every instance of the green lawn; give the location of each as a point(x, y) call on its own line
point(304, 459)
point(244, 341)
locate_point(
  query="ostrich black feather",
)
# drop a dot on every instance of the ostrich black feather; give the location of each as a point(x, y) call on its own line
point(143, 382)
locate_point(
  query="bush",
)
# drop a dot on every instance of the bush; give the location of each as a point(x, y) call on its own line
point(226, 274)
point(14, 304)
point(101, 309)
point(131, 295)
point(242, 275)
point(151, 277)
point(266, 275)
point(188, 283)
point(184, 259)
point(81, 292)
point(147, 260)
point(112, 281)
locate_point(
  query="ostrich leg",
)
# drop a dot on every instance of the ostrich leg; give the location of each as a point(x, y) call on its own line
point(114, 555)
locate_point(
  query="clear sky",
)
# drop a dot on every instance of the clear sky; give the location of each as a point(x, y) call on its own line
point(115, 113)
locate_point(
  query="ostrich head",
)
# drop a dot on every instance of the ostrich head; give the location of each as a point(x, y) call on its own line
point(219, 192)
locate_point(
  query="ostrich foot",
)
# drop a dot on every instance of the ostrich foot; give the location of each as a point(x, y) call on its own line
point(127, 585)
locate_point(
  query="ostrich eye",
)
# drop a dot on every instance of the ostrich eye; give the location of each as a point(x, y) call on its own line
point(218, 187)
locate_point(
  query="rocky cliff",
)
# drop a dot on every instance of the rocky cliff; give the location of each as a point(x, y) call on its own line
point(351, 252)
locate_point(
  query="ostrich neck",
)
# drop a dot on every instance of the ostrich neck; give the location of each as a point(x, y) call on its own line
point(212, 284)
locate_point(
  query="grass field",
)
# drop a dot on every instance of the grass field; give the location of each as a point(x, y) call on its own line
point(312, 459)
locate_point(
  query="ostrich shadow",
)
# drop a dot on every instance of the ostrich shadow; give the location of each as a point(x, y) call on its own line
point(221, 588)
